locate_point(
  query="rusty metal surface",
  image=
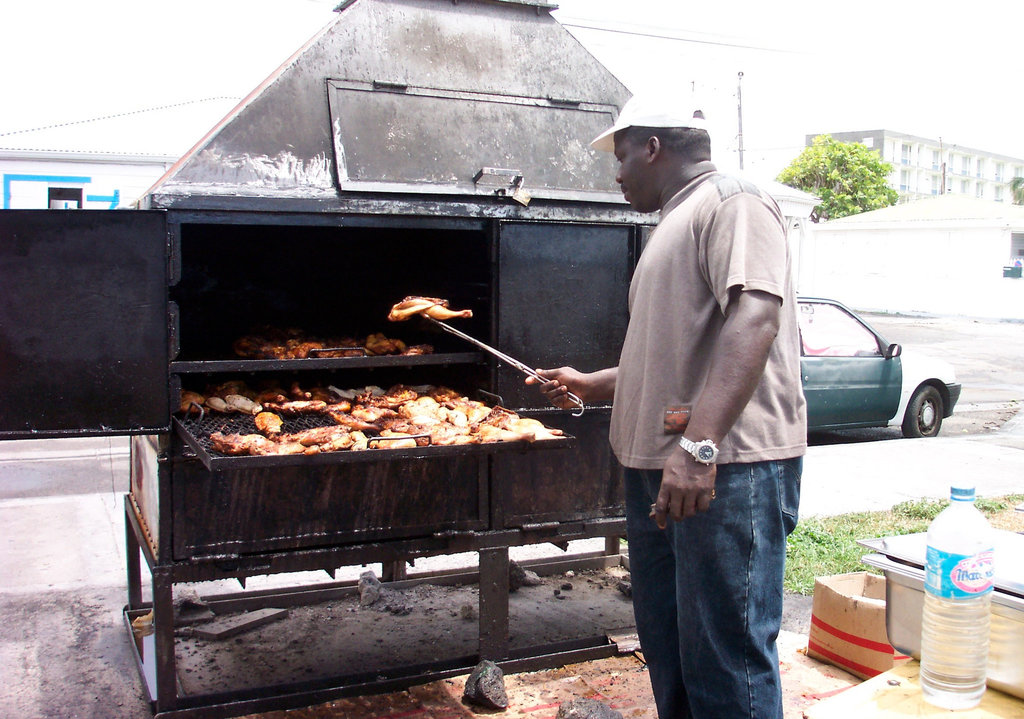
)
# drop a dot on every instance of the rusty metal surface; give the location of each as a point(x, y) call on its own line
point(417, 94)
point(300, 506)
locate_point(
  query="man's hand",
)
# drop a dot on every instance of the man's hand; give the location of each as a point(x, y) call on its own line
point(687, 487)
point(560, 382)
point(588, 386)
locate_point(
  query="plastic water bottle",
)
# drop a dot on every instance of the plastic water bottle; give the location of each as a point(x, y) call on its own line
point(958, 591)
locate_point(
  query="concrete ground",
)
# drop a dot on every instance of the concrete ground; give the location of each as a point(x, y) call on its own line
point(63, 648)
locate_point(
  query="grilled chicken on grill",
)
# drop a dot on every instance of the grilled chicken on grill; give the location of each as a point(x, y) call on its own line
point(392, 398)
point(278, 344)
point(372, 415)
point(390, 439)
point(255, 444)
point(323, 394)
point(329, 438)
point(296, 407)
point(374, 418)
point(191, 402)
point(268, 423)
point(429, 306)
point(378, 344)
point(343, 418)
point(240, 403)
point(217, 404)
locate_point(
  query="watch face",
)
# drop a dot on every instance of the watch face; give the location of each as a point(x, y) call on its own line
point(705, 453)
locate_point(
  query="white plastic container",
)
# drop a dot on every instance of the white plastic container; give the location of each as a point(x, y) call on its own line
point(958, 590)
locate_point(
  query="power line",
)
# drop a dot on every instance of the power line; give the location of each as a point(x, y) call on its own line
point(679, 36)
point(116, 115)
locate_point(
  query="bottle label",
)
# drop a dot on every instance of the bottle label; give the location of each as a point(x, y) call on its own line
point(958, 576)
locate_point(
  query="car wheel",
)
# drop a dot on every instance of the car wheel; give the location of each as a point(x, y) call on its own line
point(924, 413)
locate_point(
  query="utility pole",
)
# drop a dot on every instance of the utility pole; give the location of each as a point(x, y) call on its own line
point(739, 110)
point(942, 159)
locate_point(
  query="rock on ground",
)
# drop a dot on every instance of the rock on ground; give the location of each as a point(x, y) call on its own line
point(584, 708)
point(486, 686)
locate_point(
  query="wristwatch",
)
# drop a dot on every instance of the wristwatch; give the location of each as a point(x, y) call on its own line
point(704, 451)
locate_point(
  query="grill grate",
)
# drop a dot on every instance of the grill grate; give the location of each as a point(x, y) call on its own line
point(196, 431)
point(201, 427)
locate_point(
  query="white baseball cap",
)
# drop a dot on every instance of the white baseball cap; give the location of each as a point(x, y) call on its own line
point(650, 111)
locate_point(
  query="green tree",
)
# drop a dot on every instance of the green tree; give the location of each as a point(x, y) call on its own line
point(1017, 190)
point(848, 177)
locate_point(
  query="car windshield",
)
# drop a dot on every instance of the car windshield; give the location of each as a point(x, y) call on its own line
point(829, 331)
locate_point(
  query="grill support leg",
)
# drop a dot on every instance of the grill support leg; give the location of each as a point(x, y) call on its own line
point(163, 625)
point(134, 566)
point(394, 571)
point(494, 603)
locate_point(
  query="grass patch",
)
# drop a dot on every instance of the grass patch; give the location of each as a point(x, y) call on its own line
point(820, 546)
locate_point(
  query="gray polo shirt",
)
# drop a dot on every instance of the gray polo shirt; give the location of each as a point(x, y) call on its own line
point(718, 232)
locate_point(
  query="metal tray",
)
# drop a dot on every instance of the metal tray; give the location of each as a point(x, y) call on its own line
point(904, 603)
point(198, 440)
point(1009, 555)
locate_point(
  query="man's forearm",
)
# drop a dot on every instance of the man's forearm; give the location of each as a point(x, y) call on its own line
point(601, 384)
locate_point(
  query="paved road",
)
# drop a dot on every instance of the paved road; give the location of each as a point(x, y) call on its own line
point(982, 442)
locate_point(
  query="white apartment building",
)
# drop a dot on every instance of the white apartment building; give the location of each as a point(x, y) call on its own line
point(923, 167)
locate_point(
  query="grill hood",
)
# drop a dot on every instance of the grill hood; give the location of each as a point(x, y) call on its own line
point(481, 98)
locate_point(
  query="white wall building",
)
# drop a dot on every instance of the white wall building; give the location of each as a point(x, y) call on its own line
point(942, 255)
point(921, 166)
point(41, 180)
point(103, 163)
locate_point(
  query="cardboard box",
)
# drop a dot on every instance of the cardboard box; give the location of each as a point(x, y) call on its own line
point(848, 624)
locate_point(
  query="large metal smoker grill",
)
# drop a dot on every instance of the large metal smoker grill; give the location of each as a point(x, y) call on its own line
point(412, 147)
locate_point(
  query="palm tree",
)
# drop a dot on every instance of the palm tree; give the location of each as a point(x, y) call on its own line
point(1017, 190)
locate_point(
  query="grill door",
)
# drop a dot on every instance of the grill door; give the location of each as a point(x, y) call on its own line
point(563, 293)
point(83, 323)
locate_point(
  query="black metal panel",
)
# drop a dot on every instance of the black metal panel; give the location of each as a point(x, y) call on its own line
point(300, 507)
point(581, 483)
point(562, 299)
point(83, 323)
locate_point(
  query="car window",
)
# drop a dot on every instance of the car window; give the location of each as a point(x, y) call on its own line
point(830, 331)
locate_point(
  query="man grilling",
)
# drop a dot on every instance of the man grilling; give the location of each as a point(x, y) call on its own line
point(713, 336)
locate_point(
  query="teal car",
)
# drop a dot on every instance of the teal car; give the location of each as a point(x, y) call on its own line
point(853, 377)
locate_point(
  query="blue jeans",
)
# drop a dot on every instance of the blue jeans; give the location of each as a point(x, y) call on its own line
point(707, 591)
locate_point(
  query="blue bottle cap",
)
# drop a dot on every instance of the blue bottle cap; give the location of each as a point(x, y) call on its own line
point(961, 494)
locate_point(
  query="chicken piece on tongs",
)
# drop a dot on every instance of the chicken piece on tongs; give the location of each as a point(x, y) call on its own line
point(430, 306)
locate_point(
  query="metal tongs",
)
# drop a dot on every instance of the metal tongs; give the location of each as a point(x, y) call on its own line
point(511, 361)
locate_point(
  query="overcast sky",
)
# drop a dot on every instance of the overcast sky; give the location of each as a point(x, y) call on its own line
point(808, 66)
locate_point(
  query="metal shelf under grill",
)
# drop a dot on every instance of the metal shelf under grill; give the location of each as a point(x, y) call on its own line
point(196, 434)
point(312, 363)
